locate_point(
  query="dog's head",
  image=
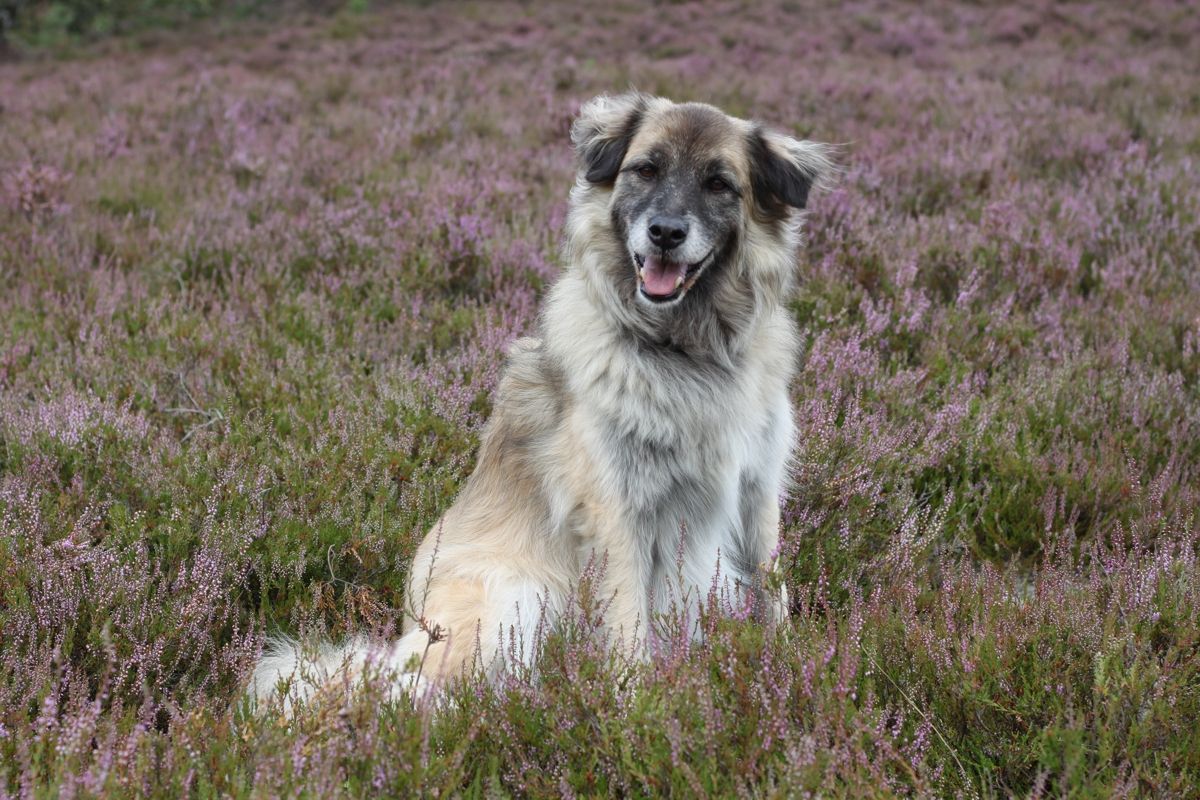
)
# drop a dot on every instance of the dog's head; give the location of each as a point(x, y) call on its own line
point(687, 206)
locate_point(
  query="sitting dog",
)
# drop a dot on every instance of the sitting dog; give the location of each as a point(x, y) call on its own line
point(648, 425)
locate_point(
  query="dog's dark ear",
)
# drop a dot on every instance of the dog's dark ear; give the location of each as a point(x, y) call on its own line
point(602, 133)
point(784, 170)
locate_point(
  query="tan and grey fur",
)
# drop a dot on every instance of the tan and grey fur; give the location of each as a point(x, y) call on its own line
point(631, 416)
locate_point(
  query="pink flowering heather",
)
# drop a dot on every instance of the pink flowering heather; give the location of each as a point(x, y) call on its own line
point(257, 278)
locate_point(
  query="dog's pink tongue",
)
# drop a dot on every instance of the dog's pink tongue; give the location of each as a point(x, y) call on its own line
point(661, 277)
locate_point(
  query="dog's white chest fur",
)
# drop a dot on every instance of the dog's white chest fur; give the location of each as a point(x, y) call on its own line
point(683, 451)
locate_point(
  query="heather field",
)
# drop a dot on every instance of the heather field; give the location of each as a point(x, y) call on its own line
point(257, 277)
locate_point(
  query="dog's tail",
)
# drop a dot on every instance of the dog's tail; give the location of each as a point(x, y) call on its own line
point(291, 673)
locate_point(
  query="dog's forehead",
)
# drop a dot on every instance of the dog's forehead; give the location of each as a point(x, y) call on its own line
point(691, 132)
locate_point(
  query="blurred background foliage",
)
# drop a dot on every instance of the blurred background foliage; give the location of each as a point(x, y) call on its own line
point(57, 24)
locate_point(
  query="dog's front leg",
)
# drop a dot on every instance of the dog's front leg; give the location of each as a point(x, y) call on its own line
point(756, 544)
point(775, 602)
point(625, 580)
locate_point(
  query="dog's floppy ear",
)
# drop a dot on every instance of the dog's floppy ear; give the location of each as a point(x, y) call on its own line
point(784, 170)
point(602, 133)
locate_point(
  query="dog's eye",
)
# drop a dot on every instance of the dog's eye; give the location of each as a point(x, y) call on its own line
point(647, 171)
point(717, 185)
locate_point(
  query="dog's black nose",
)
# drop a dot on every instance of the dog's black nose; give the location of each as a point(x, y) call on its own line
point(667, 232)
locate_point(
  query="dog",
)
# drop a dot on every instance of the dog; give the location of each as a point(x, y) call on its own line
point(648, 424)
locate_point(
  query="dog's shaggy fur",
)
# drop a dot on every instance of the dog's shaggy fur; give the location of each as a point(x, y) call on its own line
point(654, 400)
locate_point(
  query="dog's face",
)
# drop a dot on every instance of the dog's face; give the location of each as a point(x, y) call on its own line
point(687, 189)
point(677, 199)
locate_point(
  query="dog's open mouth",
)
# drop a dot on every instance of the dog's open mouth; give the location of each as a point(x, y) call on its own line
point(661, 281)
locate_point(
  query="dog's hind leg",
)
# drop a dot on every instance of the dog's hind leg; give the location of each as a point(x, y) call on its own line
point(488, 621)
